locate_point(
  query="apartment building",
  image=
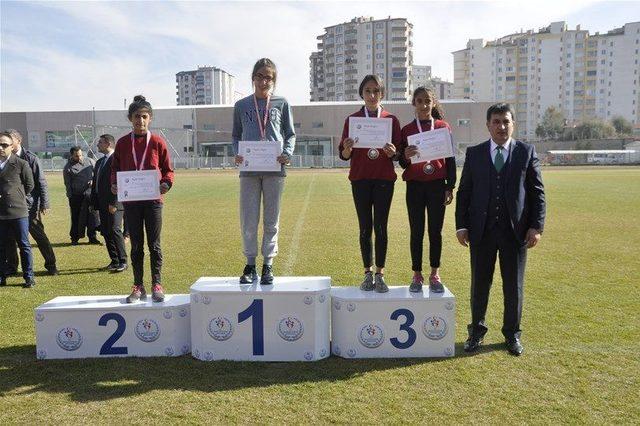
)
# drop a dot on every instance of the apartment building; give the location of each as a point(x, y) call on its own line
point(205, 86)
point(585, 76)
point(349, 51)
point(421, 75)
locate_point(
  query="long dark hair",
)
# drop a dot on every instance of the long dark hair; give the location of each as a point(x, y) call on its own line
point(437, 111)
point(139, 102)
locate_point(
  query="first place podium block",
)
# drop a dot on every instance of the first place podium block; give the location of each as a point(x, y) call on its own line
point(106, 326)
point(397, 324)
point(286, 321)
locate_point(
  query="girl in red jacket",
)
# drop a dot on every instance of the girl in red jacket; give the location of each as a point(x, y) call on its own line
point(143, 150)
point(372, 179)
point(429, 185)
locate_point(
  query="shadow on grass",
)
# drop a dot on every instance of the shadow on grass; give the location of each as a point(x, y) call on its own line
point(104, 379)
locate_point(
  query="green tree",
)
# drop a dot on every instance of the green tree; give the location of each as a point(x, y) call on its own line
point(552, 124)
point(593, 129)
point(622, 125)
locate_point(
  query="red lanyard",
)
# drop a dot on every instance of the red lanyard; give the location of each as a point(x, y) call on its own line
point(420, 127)
point(133, 151)
point(262, 123)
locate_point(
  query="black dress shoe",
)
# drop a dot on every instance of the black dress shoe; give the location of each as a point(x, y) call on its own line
point(30, 283)
point(3, 282)
point(514, 346)
point(74, 242)
point(472, 344)
point(267, 275)
point(53, 271)
point(95, 241)
point(249, 274)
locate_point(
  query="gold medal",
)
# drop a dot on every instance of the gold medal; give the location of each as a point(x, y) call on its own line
point(373, 154)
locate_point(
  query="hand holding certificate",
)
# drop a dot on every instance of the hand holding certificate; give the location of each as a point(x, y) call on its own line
point(370, 132)
point(432, 145)
point(260, 156)
point(139, 185)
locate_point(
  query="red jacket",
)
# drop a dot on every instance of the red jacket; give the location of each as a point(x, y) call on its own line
point(362, 167)
point(157, 157)
point(443, 168)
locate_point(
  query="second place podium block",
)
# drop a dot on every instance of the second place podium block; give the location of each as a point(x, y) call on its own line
point(286, 321)
point(397, 324)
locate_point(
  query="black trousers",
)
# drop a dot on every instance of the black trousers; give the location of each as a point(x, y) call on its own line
point(372, 198)
point(111, 229)
point(429, 196)
point(145, 216)
point(82, 218)
point(497, 241)
point(36, 229)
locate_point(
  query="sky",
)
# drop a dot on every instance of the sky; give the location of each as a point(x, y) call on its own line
point(80, 55)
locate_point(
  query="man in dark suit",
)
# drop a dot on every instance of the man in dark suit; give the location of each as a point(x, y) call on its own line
point(500, 210)
point(38, 202)
point(16, 182)
point(106, 203)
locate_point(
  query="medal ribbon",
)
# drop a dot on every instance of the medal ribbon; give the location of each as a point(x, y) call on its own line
point(133, 151)
point(420, 127)
point(262, 124)
point(378, 111)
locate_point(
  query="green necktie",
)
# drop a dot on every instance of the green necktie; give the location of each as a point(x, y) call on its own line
point(499, 160)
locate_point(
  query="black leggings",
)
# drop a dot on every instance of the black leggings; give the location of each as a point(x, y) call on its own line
point(429, 195)
point(145, 216)
point(372, 197)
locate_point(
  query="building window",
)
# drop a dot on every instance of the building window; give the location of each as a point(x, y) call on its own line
point(317, 125)
point(379, 36)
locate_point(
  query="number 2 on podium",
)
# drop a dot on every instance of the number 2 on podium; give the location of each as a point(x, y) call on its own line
point(255, 312)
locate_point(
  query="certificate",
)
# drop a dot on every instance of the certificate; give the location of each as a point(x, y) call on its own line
point(370, 132)
point(432, 145)
point(260, 156)
point(138, 185)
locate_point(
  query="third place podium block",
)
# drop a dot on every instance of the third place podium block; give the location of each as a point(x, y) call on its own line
point(397, 324)
point(285, 321)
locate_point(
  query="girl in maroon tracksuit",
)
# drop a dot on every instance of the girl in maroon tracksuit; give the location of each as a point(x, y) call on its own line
point(429, 185)
point(372, 178)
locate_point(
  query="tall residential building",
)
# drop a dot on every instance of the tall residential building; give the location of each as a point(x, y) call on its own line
point(421, 75)
point(205, 86)
point(349, 51)
point(585, 76)
point(443, 89)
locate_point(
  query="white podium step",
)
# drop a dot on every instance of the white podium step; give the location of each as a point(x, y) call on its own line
point(286, 321)
point(397, 324)
point(106, 326)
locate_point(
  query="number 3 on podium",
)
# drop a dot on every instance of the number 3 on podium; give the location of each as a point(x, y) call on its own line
point(256, 313)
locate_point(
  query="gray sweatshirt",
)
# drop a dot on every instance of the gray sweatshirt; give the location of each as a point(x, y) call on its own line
point(279, 126)
point(78, 176)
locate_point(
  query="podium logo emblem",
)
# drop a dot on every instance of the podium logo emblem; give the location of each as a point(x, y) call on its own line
point(290, 328)
point(308, 300)
point(39, 317)
point(371, 335)
point(169, 351)
point(69, 339)
point(147, 330)
point(220, 328)
point(434, 327)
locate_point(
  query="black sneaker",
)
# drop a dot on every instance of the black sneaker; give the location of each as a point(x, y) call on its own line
point(416, 284)
point(120, 267)
point(267, 275)
point(30, 283)
point(367, 282)
point(379, 285)
point(95, 241)
point(249, 274)
point(74, 242)
point(112, 266)
point(53, 271)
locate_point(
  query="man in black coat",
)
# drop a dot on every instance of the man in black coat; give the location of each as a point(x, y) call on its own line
point(38, 202)
point(16, 182)
point(106, 203)
point(500, 210)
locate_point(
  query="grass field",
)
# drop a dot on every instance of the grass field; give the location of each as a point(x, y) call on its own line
point(580, 327)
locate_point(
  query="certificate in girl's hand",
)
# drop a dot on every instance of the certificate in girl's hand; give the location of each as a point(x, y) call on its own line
point(432, 145)
point(370, 132)
point(260, 156)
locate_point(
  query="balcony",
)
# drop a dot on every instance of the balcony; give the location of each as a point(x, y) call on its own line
point(395, 49)
point(350, 32)
point(351, 81)
point(399, 59)
point(319, 46)
point(351, 92)
point(351, 52)
point(399, 39)
point(351, 71)
point(350, 41)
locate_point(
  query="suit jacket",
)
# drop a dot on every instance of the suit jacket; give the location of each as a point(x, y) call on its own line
point(39, 197)
point(101, 195)
point(524, 191)
point(16, 182)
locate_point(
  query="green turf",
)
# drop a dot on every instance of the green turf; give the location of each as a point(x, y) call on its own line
point(581, 318)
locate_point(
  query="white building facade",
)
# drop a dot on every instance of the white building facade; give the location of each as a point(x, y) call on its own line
point(585, 76)
point(349, 51)
point(205, 86)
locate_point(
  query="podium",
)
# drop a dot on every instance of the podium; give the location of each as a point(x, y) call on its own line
point(397, 324)
point(106, 326)
point(285, 321)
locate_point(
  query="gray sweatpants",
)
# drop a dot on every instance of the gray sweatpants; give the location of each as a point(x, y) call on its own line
point(252, 188)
